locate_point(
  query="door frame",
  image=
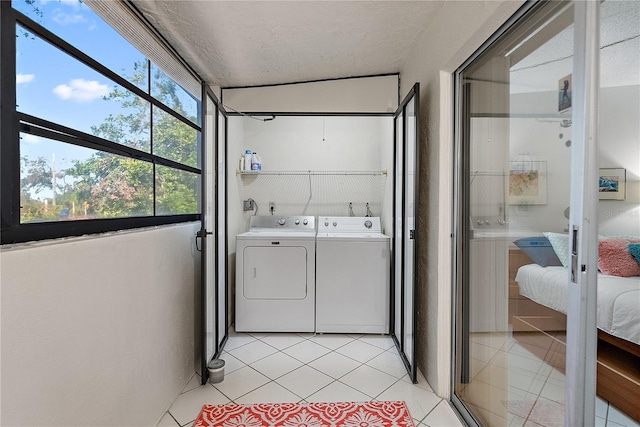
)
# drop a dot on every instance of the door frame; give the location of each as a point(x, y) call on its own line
point(398, 260)
point(581, 353)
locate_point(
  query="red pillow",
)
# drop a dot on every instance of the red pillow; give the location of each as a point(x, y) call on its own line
point(614, 258)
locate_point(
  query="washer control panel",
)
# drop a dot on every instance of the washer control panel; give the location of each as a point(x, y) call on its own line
point(349, 224)
point(286, 223)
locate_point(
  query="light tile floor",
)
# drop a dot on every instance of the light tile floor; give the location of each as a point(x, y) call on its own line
point(512, 386)
point(262, 368)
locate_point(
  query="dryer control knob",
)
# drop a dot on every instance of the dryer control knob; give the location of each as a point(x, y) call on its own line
point(326, 223)
point(335, 224)
point(282, 221)
point(305, 221)
point(368, 224)
point(297, 221)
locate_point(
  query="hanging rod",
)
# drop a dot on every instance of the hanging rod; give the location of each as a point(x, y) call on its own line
point(309, 172)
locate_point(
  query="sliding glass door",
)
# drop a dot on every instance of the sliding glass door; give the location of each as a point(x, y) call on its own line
point(526, 238)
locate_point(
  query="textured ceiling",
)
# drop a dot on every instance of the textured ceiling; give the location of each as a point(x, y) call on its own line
point(619, 52)
point(248, 43)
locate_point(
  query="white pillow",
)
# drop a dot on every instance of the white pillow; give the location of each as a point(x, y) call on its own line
point(560, 244)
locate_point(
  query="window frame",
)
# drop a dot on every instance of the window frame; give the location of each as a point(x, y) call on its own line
point(13, 122)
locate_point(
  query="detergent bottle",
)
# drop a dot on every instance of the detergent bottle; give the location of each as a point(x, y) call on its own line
point(256, 163)
point(247, 160)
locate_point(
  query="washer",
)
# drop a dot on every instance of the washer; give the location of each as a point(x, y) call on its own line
point(275, 275)
point(352, 275)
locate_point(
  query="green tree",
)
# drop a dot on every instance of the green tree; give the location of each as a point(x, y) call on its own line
point(106, 185)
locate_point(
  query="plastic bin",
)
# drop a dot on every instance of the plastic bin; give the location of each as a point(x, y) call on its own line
point(216, 371)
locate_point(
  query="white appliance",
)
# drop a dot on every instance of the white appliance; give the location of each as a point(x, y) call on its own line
point(352, 275)
point(275, 275)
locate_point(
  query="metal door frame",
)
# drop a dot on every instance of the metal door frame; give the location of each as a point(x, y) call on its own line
point(399, 259)
point(204, 234)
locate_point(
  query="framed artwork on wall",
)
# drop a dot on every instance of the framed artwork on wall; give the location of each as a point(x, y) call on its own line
point(612, 184)
point(528, 183)
point(564, 93)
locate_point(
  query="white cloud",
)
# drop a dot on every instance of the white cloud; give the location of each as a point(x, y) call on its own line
point(25, 78)
point(66, 18)
point(81, 90)
point(30, 139)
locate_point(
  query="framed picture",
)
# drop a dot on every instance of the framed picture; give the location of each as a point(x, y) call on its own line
point(612, 184)
point(564, 93)
point(528, 183)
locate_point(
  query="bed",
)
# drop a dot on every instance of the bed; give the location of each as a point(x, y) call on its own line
point(537, 313)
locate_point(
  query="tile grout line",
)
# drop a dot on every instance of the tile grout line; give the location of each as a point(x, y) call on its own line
point(430, 411)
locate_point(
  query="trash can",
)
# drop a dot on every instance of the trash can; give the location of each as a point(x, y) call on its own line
point(216, 371)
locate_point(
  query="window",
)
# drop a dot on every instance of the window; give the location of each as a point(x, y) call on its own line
point(97, 141)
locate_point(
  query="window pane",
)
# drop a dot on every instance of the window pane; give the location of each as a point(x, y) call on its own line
point(78, 25)
point(60, 181)
point(71, 94)
point(174, 139)
point(176, 191)
point(166, 90)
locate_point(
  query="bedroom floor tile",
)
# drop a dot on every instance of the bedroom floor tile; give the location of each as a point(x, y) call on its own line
point(513, 386)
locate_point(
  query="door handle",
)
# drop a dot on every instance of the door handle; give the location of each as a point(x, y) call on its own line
point(574, 255)
point(199, 235)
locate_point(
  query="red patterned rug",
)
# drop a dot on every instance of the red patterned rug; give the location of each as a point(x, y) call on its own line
point(347, 414)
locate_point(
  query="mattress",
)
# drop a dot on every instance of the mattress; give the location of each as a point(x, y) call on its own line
point(618, 297)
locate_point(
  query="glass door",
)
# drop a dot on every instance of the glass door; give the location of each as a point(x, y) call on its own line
point(212, 236)
point(207, 237)
point(405, 202)
point(525, 303)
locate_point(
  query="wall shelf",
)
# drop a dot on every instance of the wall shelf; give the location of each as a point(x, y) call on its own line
point(310, 172)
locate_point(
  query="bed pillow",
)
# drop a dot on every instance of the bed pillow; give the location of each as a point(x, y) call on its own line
point(614, 258)
point(634, 250)
point(539, 249)
point(560, 244)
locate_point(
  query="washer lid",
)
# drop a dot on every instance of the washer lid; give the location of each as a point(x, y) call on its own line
point(352, 236)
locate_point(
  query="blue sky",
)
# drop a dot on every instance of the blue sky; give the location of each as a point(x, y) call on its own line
point(52, 85)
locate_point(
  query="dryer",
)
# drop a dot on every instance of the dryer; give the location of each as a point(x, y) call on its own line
point(275, 275)
point(352, 276)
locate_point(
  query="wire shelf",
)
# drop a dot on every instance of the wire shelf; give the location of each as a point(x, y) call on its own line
point(310, 172)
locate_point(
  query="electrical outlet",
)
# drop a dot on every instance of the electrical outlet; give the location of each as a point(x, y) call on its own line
point(272, 207)
point(248, 205)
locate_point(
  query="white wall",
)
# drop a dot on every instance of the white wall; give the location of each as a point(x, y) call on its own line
point(451, 37)
point(619, 148)
point(356, 95)
point(98, 330)
point(317, 144)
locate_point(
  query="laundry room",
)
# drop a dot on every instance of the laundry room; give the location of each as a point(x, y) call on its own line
point(326, 149)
